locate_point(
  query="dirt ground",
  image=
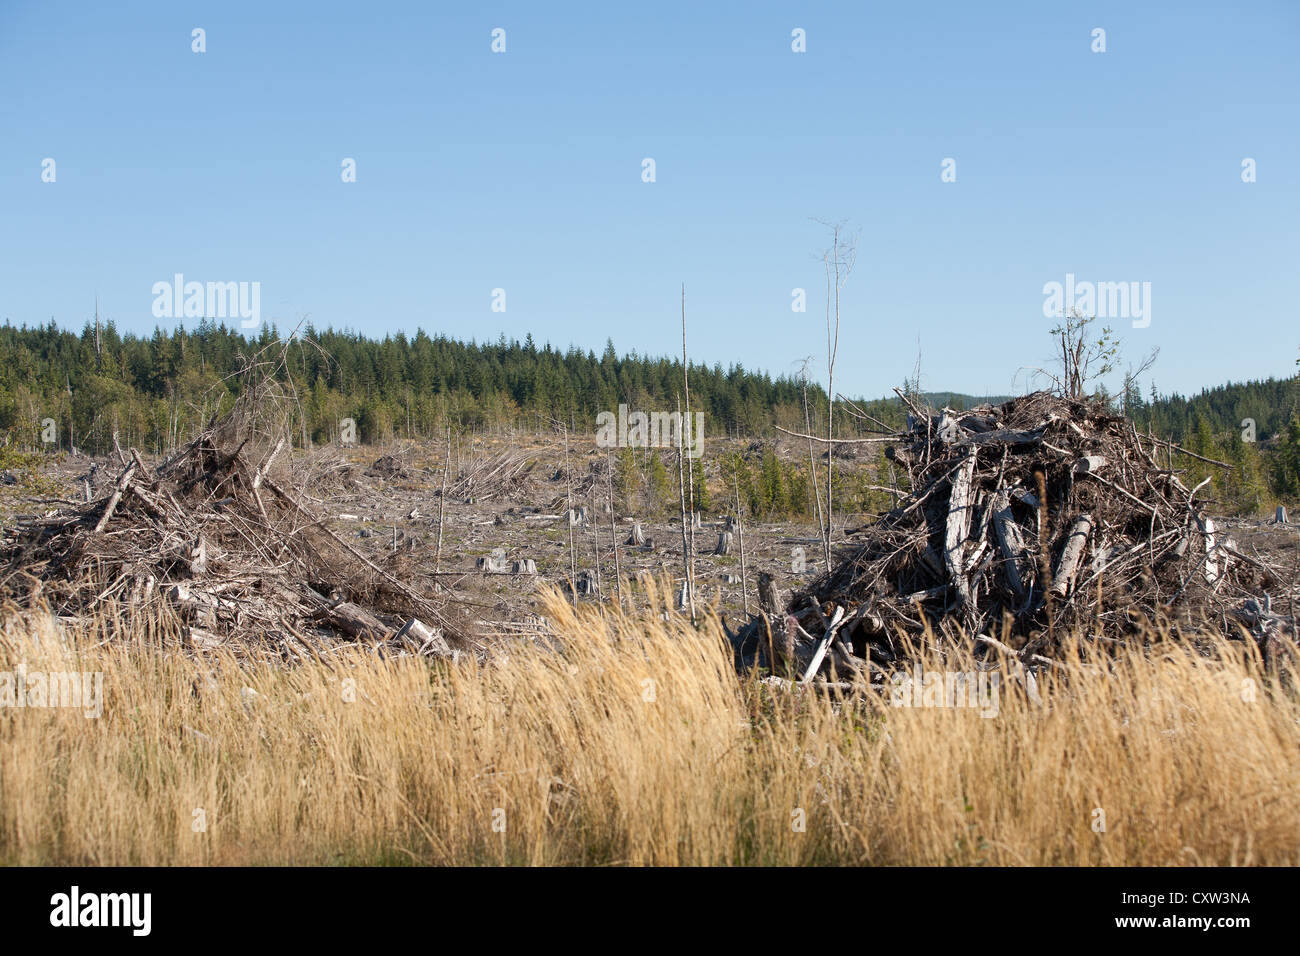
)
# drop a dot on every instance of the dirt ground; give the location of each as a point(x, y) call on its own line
point(386, 500)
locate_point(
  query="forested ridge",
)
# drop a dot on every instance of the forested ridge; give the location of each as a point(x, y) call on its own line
point(151, 389)
point(157, 390)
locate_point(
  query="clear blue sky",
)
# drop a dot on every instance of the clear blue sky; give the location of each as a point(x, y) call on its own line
point(522, 171)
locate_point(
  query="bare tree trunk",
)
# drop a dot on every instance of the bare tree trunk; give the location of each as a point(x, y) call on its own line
point(838, 260)
point(613, 532)
point(442, 503)
point(812, 462)
point(595, 547)
point(830, 400)
point(568, 495)
point(690, 462)
point(687, 534)
point(740, 534)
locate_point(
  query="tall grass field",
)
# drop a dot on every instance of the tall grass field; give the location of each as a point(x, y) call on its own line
point(636, 744)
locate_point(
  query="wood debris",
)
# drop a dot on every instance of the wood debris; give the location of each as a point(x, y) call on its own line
point(976, 547)
point(216, 537)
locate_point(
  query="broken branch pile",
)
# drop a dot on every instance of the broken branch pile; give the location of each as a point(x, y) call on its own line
point(212, 538)
point(1037, 516)
point(496, 476)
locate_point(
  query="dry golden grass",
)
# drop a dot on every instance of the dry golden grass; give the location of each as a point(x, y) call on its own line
point(638, 746)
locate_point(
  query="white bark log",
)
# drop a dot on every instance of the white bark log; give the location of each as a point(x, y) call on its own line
point(958, 527)
point(1071, 554)
point(1010, 540)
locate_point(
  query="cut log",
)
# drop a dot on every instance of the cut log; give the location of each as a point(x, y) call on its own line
point(1207, 528)
point(824, 644)
point(424, 640)
point(1071, 554)
point(1004, 437)
point(1010, 540)
point(1090, 464)
point(957, 529)
point(356, 621)
point(1026, 498)
point(122, 482)
point(199, 557)
point(900, 455)
point(948, 430)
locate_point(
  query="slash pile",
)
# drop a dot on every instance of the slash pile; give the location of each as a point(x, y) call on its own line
point(1033, 518)
point(213, 539)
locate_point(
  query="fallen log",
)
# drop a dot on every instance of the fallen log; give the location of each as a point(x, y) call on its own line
point(426, 641)
point(957, 529)
point(1071, 555)
point(1011, 542)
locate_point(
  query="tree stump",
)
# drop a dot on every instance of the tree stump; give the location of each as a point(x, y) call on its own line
point(494, 563)
point(768, 598)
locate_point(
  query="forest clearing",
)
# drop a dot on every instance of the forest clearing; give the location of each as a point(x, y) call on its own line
point(420, 654)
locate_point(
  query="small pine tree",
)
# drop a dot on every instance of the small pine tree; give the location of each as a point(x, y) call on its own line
point(700, 488)
point(797, 485)
point(771, 485)
point(658, 489)
point(627, 478)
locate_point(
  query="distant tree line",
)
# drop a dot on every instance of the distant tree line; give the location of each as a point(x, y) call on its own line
point(156, 391)
point(1253, 426)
